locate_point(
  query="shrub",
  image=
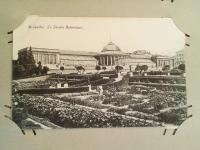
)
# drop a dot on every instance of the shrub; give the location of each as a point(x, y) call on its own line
point(121, 111)
point(118, 68)
point(45, 70)
point(182, 67)
point(98, 68)
point(166, 68)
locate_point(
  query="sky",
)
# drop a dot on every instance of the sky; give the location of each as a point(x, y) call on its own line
point(156, 35)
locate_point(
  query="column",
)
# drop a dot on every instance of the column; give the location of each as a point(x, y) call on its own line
point(53, 59)
point(100, 60)
point(46, 59)
point(37, 58)
point(49, 59)
point(42, 58)
point(57, 59)
point(157, 63)
point(107, 61)
point(111, 60)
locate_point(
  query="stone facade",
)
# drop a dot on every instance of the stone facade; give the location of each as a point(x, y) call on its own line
point(110, 56)
point(54, 58)
point(173, 61)
point(140, 57)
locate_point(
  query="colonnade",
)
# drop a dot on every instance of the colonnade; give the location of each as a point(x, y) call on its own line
point(163, 62)
point(109, 60)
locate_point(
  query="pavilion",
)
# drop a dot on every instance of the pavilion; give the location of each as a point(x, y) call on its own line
point(111, 55)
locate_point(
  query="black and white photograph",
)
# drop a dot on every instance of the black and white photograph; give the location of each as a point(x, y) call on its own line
point(84, 72)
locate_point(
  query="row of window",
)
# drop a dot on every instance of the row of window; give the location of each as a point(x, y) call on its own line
point(74, 63)
point(45, 58)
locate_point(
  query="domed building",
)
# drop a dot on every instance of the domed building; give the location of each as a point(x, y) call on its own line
point(111, 55)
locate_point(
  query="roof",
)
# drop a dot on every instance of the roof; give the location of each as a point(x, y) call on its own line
point(43, 49)
point(64, 52)
point(162, 56)
point(113, 53)
point(80, 53)
point(111, 47)
point(141, 54)
point(140, 60)
point(78, 58)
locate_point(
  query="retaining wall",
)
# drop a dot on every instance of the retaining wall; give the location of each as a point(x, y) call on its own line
point(40, 78)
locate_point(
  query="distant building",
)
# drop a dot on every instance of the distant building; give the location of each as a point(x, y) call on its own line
point(173, 61)
point(54, 58)
point(162, 61)
point(140, 57)
point(110, 56)
point(179, 58)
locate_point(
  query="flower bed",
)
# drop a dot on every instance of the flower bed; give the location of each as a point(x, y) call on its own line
point(158, 79)
point(66, 115)
point(84, 102)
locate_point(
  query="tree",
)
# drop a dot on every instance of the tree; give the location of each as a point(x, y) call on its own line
point(18, 71)
point(45, 70)
point(166, 68)
point(138, 68)
point(62, 69)
point(144, 67)
point(104, 68)
point(118, 68)
point(98, 68)
point(38, 69)
point(154, 58)
point(130, 68)
point(182, 67)
point(79, 68)
point(26, 59)
point(176, 71)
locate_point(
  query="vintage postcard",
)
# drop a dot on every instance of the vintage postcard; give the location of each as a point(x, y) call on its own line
point(98, 73)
